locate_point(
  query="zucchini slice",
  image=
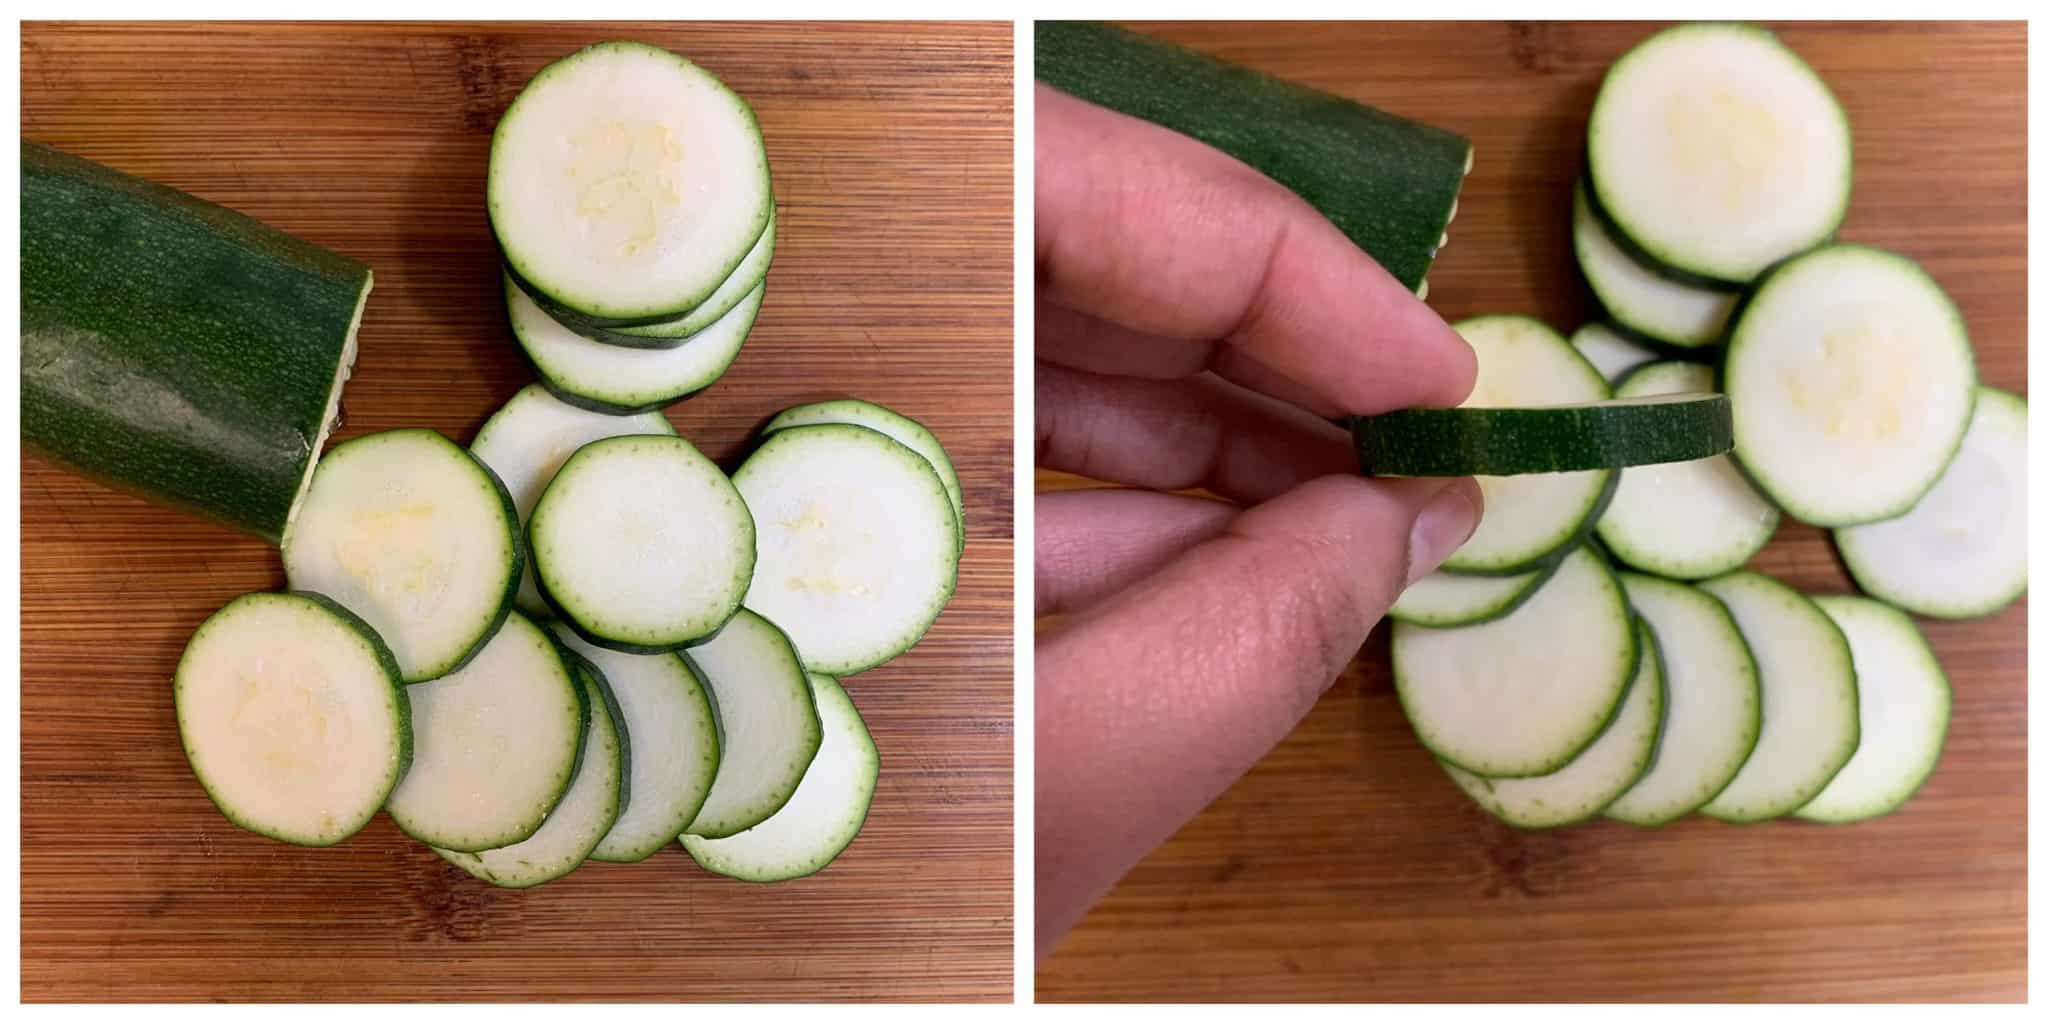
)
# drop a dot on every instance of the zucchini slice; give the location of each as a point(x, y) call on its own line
point(642, 544)
point(1524, 694)
point(1717, 152)
point(565, 840)
point(667, 712)
point(1962, 550)
point(415, 535)
point(751, 272)
point(824, 814)
point(619, 380)
point(1809, 698)
point(768, 721)
point(859, 544)
point(1604, 770)
point(1903, 710)
point(293, 717)
point(1389, 183)
point(176, 349)
point(1533, 519)
point(900, 428)
point(1712, 705)
point(1443, 599)
point(1609, 352)
point(526, 441)
point(1638, 430)
point(627, 183)
point(495, 744)
point(1687, 520)
point(1638, 297)
point(1851, 378)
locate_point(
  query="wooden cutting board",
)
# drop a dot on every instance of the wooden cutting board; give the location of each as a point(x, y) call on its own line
point(1346, 867)
point(891, 151)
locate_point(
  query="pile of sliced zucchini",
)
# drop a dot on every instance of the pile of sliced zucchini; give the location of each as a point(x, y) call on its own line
point(579, 639)
point(1718, 170)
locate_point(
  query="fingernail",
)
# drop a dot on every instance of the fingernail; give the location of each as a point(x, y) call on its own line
point(1445, 523)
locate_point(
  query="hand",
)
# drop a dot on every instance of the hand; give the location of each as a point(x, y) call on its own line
point(1197, 324)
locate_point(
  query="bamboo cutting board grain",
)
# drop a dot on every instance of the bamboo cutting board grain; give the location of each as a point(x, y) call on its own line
point(1346, 867)
point(891, 151)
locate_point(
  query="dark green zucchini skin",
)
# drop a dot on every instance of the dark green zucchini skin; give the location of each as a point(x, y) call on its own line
point(1554, 439)
point(1387, 182)
point(173, 348)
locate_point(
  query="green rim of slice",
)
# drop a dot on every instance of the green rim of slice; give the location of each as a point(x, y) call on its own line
point(1621, 432)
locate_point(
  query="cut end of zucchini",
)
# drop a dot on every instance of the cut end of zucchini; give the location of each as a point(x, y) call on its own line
point(331, 418)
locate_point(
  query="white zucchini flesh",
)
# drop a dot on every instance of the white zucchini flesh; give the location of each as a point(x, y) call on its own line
point(1525, 693)
point(1851, 380)
point(1904, 710)
point(642, 543)
point(566, 839)
point(1532, 517)
point(1962, 549)
point(293, 717)
point(415, 535)
point(744, 279)
point(1712, 704)
point(1687, 520)
point(859, 545)
point(1718, 152)
point(1809, 698)
point(618, 379)
point(673, 754)
point(1640, 298)
point(526, 441)
point(824, 814)
point(1601, 772)
point(626, 182)
point(1610, 353)
point(495, 744)
point(900, 428)
point(768, 724)
point(1443, 599)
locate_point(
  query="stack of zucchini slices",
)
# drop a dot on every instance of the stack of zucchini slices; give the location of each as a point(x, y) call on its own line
point(1598, 648)
point(580, 639)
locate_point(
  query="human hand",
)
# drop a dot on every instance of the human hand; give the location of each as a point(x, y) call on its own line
point(1197, 324)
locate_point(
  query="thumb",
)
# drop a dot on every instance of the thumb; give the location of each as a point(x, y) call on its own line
point(1152, 703)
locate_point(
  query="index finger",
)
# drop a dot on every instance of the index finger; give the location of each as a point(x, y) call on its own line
point(1161, 234)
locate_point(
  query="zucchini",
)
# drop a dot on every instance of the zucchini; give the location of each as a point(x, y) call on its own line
point(1809, 698)
point(621, 381)
point(526, 441)
point(626, 184)
point(900, 428)
point(1903, 704)
point(1388, 183)
point(565, 840)
point(1716, 152)
point(1636, 430)
point(1851, 381)
point(1688, 520)
point(859, 546)
point(668, 334)
point(1443, 599)
point(1712, 706)
point(824, 814)
point(1962, 549)
point(292, 716)
point(642, 544)
point(1609, 352)
point(1603, 771)
point(665, 709)
point(769, 728)
point(176, 349)
point(1638, 297)
point(495, 744)
point(1524, 694)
